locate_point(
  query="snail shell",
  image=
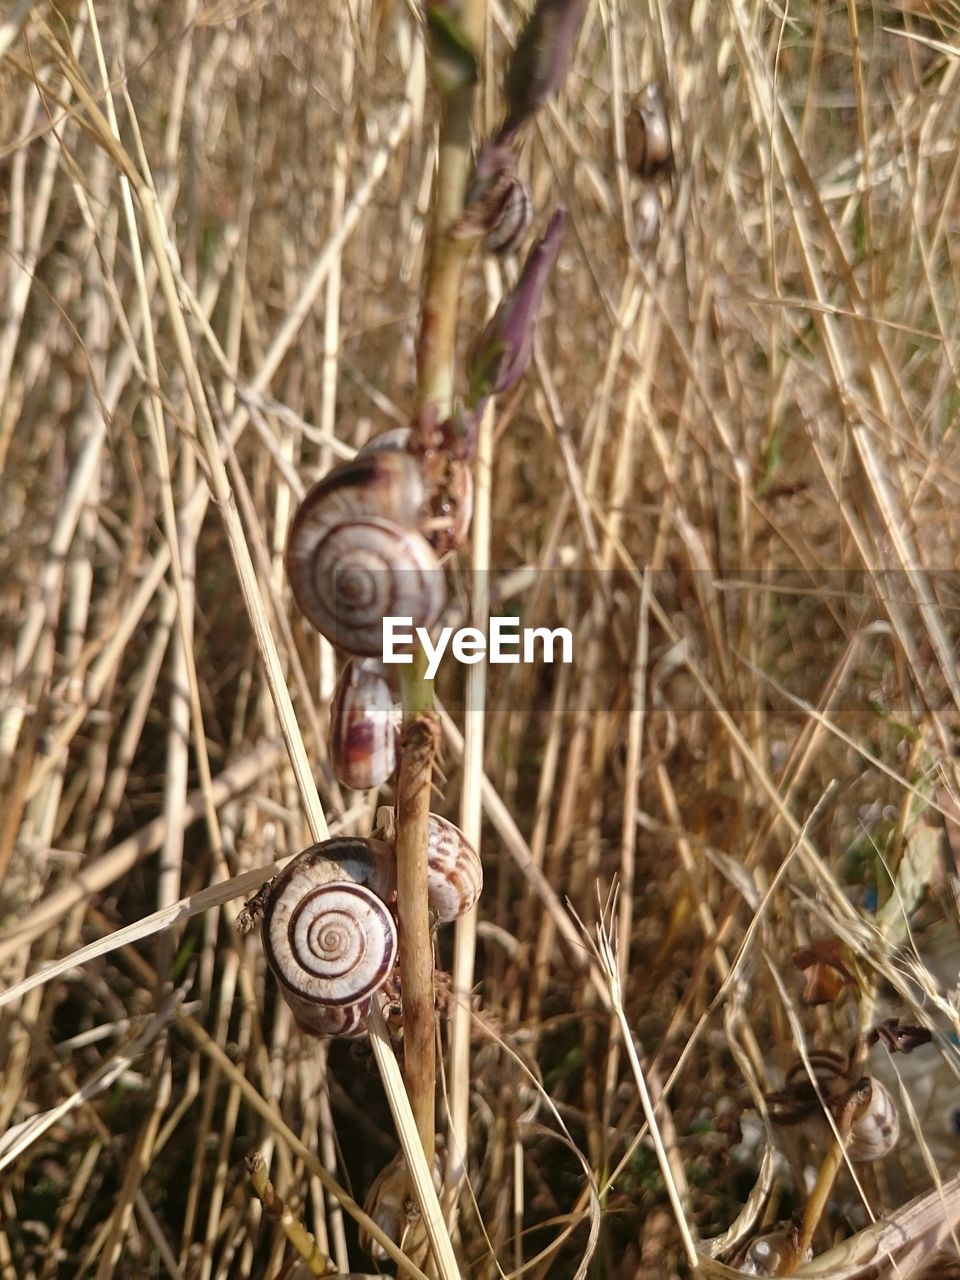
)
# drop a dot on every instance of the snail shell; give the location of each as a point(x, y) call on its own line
point(873, 1134)
point(648, 133)
point(355, 554)
point(646, 215)
point(454, 869)
point(391, 1205)
point(363, 726)
point(876, 1131)
point(512, 217)
point(765, 1253)
point(448, 528)
point(328, 935)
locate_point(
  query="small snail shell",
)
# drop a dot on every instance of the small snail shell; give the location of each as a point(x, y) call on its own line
point(363, 726)
point(454, 870)
point(873, 1134)
point(646, 215)
point(648, 133)
point(876, 1131)
point(328, 935)
point(391, 1205)
point(448, 529)
point(512, 217)
point(355, 554)
point(764, 1254)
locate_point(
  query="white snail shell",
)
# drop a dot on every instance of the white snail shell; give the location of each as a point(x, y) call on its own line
point(363, 726)
point(328, 935)
point(648, 133)
point(355, 554)
point(876, 1132)
point(764, 1254)
point(454, 869)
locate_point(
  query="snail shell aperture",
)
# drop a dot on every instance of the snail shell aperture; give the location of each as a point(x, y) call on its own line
point(355, 554)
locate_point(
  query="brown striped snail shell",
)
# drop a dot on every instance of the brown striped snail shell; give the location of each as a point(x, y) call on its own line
point(648, 133)
point(364, 721)
point(328, 935)
point(873, 1133)
point(454, 870)
point(355, 554)
point(512, 217)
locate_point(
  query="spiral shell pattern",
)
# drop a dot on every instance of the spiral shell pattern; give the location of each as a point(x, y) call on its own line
point(328, 935)
point(355, 554)
point(454, 871)
point(363, 726)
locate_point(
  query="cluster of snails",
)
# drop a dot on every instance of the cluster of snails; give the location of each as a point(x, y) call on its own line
point(328, 926)
point(366, 543)
point(649, 154)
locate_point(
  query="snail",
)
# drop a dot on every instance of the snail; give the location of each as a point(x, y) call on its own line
point(363, 726)
point(446, 522)
point(328, 934)
point(327, 925)
point(646, 215)
point(511, 218)
point(355, 554)
point(765, 1253)
point(391, 1205)
point(875, 1127)
point(497, 202)
point(454, 870)
point(648, 133)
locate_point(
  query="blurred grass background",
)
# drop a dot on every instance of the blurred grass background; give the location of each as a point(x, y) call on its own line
point(750, 427)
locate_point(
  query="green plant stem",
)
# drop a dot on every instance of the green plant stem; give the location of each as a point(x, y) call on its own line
point(436, 350)
point(436, 355)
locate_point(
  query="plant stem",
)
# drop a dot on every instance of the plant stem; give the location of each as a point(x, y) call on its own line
point(436, 354)
point(417, 750)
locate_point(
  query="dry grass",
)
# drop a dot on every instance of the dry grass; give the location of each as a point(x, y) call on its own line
point(734, 468)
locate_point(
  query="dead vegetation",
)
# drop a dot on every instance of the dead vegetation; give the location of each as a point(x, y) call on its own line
point(733, 470)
